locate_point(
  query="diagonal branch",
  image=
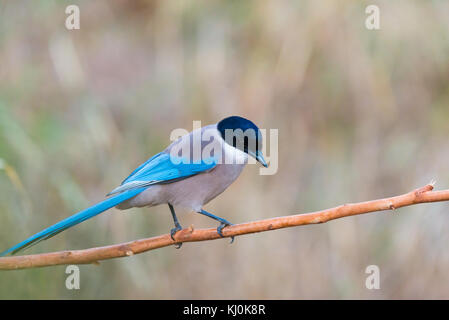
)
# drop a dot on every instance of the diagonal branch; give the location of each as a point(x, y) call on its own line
point(93, 255)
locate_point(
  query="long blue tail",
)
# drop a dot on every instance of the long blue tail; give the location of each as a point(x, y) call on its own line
point(73, 220)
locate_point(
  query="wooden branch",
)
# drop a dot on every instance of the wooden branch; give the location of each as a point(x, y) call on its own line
point(93, 255)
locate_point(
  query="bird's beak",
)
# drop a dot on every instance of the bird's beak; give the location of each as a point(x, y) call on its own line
point(259, 157)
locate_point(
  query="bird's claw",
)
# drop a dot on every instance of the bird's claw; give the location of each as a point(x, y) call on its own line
point(178, 245)
point(172, 235)
point(173, 232)
point(220, 228)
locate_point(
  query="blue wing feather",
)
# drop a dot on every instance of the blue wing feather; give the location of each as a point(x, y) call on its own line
point(158, 169)
point(140, 167)
point(163, 169)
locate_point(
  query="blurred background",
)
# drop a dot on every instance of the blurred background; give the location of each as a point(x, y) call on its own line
point(362, 114)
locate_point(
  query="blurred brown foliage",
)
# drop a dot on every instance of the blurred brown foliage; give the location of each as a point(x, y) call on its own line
point(361, 115)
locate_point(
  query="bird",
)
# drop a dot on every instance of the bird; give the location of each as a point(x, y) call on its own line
point(193, 170)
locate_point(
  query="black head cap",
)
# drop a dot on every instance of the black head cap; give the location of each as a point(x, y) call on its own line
point(242, 134)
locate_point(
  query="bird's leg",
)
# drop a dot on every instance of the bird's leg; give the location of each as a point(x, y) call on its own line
point(223, 222)
point(177, 226)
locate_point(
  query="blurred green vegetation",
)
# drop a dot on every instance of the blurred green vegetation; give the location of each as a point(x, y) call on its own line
point(361, 115)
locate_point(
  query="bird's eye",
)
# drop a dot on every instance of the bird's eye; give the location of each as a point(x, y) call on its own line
point(246, 143)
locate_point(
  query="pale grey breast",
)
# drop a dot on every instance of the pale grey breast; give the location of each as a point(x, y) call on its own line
point(193, 192)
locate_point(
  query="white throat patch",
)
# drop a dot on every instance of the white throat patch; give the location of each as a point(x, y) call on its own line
point(231, 155)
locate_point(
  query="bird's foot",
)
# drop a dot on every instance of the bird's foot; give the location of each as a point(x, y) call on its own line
point(220, 228)
point(172, 235)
